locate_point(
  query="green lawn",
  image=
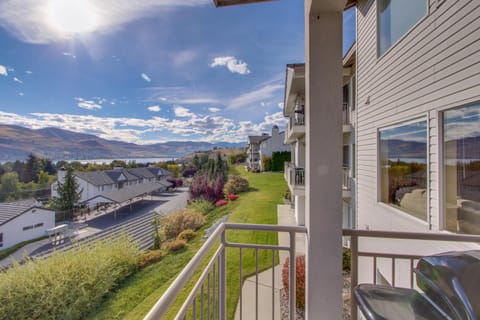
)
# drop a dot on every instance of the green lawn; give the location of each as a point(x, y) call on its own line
point(138, 294)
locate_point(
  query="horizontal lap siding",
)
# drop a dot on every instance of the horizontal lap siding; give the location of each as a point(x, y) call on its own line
point(435, 66)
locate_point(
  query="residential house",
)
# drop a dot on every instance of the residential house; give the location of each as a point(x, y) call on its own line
point(93, 184)
point(22, 221)
point(275, 143)
point(253, 152)
point(416, 120)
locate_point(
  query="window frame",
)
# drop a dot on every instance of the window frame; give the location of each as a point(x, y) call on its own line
point(397, 210)
point(394, 44)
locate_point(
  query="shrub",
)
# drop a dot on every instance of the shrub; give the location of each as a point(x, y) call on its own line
point(189, 173)
point(177, 183)
point(202, 206)
point(150, 257)
point(187, 235)
point(221, 202)
point(299, 279)
point(68, 285)
point(176, 245)
point(232, 197)
point(236, 184)
point(205, 187)
point(266, 163)
point(181, 220)
point(346, 261)
point(278, 160)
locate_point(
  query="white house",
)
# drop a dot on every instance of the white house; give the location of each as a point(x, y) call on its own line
point(94, 184)
point(23, 221)
point(264, 146)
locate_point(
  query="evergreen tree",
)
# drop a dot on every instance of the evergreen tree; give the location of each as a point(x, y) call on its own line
point(31, 169)
point(10, 187)
point(67, 190)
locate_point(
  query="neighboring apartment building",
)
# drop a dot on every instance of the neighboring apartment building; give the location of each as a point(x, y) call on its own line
point(22, 221)
point(418, 127)
point(264, 146)
point(294, 109)
point(93, 184)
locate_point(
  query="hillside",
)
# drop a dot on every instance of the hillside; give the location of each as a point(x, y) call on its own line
point(17, 142)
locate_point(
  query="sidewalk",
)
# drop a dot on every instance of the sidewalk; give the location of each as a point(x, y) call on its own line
point(265, 281)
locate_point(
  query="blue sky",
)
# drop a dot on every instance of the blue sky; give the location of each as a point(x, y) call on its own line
point(149, 71)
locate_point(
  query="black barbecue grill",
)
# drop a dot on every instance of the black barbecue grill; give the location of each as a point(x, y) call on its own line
point(451, 290)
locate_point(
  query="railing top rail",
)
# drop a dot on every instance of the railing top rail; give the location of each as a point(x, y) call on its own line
point(438, 236)
point(265, 227)
point(162, 305)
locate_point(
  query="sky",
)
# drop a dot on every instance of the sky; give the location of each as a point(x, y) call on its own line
point(150, 71)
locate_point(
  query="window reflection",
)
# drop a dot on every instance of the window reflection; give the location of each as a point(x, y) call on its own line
point(462, 169)
point(403, 165)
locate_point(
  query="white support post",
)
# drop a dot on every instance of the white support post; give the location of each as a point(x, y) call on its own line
point(323, 75)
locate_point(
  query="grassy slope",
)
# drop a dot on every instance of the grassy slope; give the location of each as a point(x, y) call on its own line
point(138, 294)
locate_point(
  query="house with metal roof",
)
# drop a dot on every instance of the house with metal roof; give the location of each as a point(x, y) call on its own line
point(108, 186)
point(23, 221)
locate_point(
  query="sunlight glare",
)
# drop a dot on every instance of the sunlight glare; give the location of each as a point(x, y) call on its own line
point(72, 16)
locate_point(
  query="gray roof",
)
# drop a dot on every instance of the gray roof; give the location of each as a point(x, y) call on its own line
point(131, 192)
point(257, 139)
point(101, 178)
point(11, 210)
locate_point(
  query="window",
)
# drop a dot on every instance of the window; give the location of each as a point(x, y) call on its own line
point(1, 240)
point(403, 168)
point(27, 228)
point(461, 165)
point(38, 225)
point(395, 18)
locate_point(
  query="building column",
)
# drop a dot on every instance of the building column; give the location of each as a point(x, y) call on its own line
point(323, 75)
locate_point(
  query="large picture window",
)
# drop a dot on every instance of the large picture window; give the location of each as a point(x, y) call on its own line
point(395, 18)
point(461, 143)
point(403, 168)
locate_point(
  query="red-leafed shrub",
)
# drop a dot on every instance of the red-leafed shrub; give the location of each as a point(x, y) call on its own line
point(221, 202)
point(299, 279)
point(232, 197)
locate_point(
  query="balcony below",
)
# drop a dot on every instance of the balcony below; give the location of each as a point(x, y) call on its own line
point(295, 128)
point(347, 126)
point(295, 178)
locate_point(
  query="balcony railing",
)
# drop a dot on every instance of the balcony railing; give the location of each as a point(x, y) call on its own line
point(345, 114)
point(295, 127)
point(346, 178)
point(295, 176)
point(207, 299)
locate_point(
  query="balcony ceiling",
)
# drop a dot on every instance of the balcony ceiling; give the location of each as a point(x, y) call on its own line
point(294, 86)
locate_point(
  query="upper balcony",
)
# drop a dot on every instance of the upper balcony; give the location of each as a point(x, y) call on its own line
point(295, 178)
point(347, 127)
point(347, 182)
point(295, 128)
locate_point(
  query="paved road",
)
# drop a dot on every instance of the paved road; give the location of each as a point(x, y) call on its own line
point(135, 221)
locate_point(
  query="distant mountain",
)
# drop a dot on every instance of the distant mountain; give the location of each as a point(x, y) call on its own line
point(17, 142)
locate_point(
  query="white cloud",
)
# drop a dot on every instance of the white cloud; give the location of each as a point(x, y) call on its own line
point(233, 64)
point(17, 80)
point(88, 104)
point(182, 112)
point(281, 105)
point(214, 109)
point(3, 71)
point(154, 108)
point(21, 94)
point(255, 96)
point(145, 77)
point(69, 54)
point(28, 72)
point(179, 95)
point(26, 19)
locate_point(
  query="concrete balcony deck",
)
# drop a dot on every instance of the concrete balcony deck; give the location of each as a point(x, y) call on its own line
point(295, 178)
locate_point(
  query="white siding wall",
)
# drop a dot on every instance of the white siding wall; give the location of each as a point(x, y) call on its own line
point(13, 230)
point(435, 66)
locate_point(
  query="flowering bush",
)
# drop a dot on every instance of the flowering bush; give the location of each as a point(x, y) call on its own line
point(232, 197)
point(299, 279)
point(204, 187)
point(174, 224)
point(221, 202)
